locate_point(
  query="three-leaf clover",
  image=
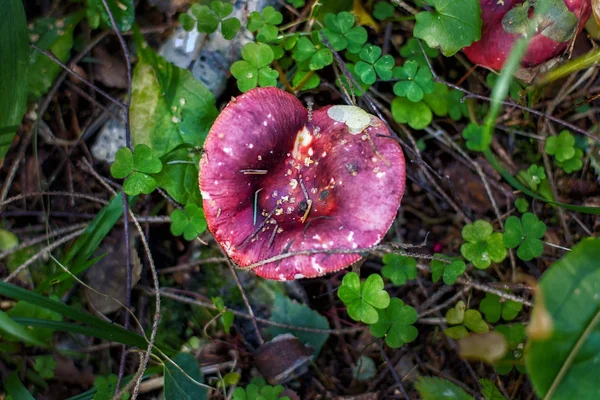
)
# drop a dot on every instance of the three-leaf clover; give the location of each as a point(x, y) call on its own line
point(363, 298)
point(398, 268)
point(254, 69)
point(525, 233)
point(482, 245)
point(464, 321)
point(475, 137)
point(452, 25)
point(135, 167)
point(396, 324)
point(532, 176)
point(448, 272)
point(226, 316)
point(190, 223)
point(317, 57)
point(515, 337)
point(494, 307)
point(208, 19)
point(265, 24)
point(373, 64)
point(259, 390)
point(416, 115)
point(562, 147)
point(342, 34)
point(413, 81)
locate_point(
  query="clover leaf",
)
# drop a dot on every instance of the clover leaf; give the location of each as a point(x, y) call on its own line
point(342, 34)
point(254, 69)
point(464, 321)
point(259, 390)
point(297, 3)
point(190, 222)
point(207, 19)
point(398, 268)
point(439, 27)
point(494, 307)
point(574, 163)
point(476, 139)
point(265, 24)
point(135, 167)
point(532, 176)
point(317, 57)
point(363, 298)
point(522, 204)
point(457, 108)
point(416, 115)
point(413, 81)
point(226, 316)
point(373, 64)
point(526, 234)
point(412, 51)
point(396, 324)
point(562, 147)
point(515, 337)
point(383, 10)
point(448, 272)
point(482, 245)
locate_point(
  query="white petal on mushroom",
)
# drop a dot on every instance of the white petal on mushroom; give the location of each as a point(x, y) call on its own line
point(355, 118)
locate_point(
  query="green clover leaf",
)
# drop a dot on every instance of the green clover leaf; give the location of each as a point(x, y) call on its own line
point(476, 140)
point(259, 390)
point(136, 167)
point(449, 272)
point(297, 3)
point(532, 176)
point(412, 51)
point(574, 163)
point(226, 316)
point(373, 64)
point(416, 115)
point(522, 204)
point(254, 69)
point(456, 107)
point(515, 337)
point(265, 24)
point(526, 234)
point(342, 34)
point(396, 324)
point(482, 245)
point(413, 81)
point(190, 223)
point(207, 19)
point(317, 57)
point(494, 307)
point(45, 366)
point(464, 321)
point(362, 299)
point(383, 10)
point(398, 268)
point(562, 147)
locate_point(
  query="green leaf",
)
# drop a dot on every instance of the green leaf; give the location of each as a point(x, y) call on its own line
point(207, 21)
point(453, 270)
point(475, 137)
point(416, 115)
point(145, 161)
point(456, 315)
point(365, 369)
point(561, 146)
point(525, 233)
point(230, 27)
point(123, 165)
point(383, 10)
point(187, 22)
point(396, 324)
point(321, 59)
point(16, 331)
point(482, 246)
point(258, 55)
point(362, 299)
point(342, 34)
point(56, 36)
point(254, 69)
point(413, 81)
point(123, 12)
point(24, 309)
point(45, 366)
point(169, 107)
point(412, 51)
point(440, 389)
point(521, 204)
point(14, 60)
point(564, 364)
point(573, 164)
point(138, 183)
point(190, 223)
point(289, 312)
point(179, 386)
point(221, 9)
point(16, 389)
point(456, 332)
point(474, 322)
point(532, 176)
point(179, 176)
point(452, 25)
point(398, 268)
point(490, 307)
point(490, 391)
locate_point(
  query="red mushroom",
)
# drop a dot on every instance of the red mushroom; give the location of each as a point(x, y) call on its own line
point(276, 178)
point(557, 24)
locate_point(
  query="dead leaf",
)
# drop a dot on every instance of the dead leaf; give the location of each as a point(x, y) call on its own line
point(278, 359)
point(488, 347)
point(110, 69)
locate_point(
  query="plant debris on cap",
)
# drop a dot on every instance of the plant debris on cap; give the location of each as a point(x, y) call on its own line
point(505, 21)
point(277, 178)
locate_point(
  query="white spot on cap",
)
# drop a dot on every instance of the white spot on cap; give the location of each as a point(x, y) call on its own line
point(350, 236)
point(298, 276)
point(380, 175)
point(228, 150)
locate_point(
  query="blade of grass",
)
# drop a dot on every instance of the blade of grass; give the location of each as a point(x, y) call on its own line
point(15, 330)
point(16, 389)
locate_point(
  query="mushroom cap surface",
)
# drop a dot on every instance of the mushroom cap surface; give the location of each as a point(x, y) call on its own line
point(278, 179)
point(495, 45)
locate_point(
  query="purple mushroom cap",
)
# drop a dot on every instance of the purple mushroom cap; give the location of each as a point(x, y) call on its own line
point(276, 178)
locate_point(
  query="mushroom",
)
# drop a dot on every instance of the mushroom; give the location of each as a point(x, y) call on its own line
point(277, 178)
point(505, 20)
